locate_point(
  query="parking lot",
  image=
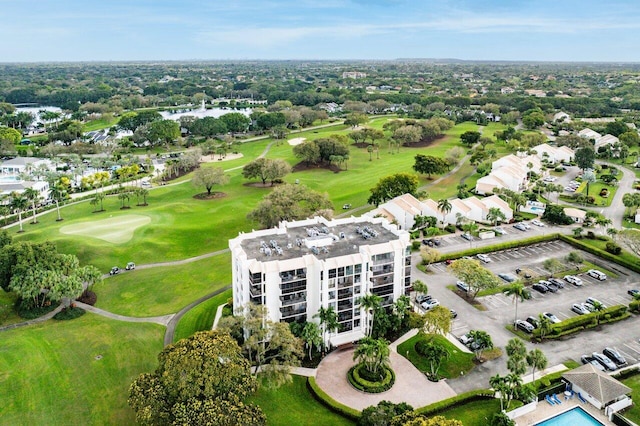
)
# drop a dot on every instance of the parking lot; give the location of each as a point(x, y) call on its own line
point(500, 309)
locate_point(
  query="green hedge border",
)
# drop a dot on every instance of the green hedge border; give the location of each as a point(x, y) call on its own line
point(633, 266)
point(371, 387)
point(441, 406)
point(333, 405)
point(583, 322)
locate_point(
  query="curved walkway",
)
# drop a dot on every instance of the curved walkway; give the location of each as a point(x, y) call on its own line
point(411, 385)
point(171, 325)
point(35, 320)
point(162, 320)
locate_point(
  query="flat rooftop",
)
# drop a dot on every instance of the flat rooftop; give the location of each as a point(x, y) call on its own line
point(318, 240)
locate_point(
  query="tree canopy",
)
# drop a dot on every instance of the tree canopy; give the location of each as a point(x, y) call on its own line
point(209, 177)
point(266, 169)
point(393, 186)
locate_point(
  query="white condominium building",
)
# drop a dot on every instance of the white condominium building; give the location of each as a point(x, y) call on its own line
point(300, 266)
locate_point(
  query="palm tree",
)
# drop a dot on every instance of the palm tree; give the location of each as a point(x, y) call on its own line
point(328, 321)
point(597, 308)
point(612, 232)
point(19, 203)
point(373, 354)
point(495, 215)
point(99, 198)
point(577, 232)
point(544, 324)
point(513, 381)
point(32, 195)
point(498, 384)
point(603, 221)
point(311, 336)
point(519, 293)
point(370, 302)
point(444, 206)
point(537, 361)
point(58, 193)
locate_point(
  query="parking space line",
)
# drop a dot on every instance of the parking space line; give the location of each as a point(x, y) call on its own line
point(633, 349)
point(627, 355)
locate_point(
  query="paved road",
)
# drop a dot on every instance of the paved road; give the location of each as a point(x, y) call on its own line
point(615, 212)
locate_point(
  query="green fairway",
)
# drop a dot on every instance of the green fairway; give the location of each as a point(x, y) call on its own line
point(201, 317)
point(115, 230)
point(50, 374)
point(292, 404)
point(163, 290)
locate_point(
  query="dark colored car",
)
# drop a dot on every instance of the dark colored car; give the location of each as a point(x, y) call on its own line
point(633, 292)
point(557, 282)
point(614, 356)
point(436, 241)
point(507, 277)
point(423, 298)
point(540, 287)
point(428, 243)
point(533, 321)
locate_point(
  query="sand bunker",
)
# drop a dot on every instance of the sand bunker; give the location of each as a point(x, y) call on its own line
point(215, 158)
point(296, 141)
point(115, 230)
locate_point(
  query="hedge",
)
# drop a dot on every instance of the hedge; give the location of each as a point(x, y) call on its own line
point(634, 266)
point(500, 246)
point(463, 398)
point(333, 405)
point(626, 373)
point(579, 323)
point(365, 385)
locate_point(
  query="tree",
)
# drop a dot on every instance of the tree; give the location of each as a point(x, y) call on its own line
point(209, 177)
point(163, 131)
point(428, 164)
point(420, 287)
point(369, 303)
point(544, 325)
point(202, 377)
point(373, 354)
point(518, 293)
point(585, 157)
point(475, 276)
point(577, 232)
point(32, 195)
point(552, 265)
point(58, 194)
point(498, 384)
point(393, 186)
point(7, 134)
point(589, 177)
point(612, 232)
point(236, 122)
point(290, 202)
point(383, 413)
point(266, 169)
point(19, 203)
point(537, 361)
point(406, 135)
point(311, 336)
point(328, 322)
point(434, 353)
point(517, 352)
point(481, 340)
point(444, 206)
point(429, 255)
point(496, 215)
point(355, 119)
point(555, 214)
point(574, 258)
point(307, 151)
point(470, 138)
point(418, 420)
point(437, 321)
point(270, 346)
point(501, 419)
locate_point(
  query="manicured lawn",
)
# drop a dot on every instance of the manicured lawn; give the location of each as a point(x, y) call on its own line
point(201, 317)
point(292, 404)
point(476, 413)
point(7, 312)
point(163, 290)
point(602, 246)
point(459, 362)
point(633, 413)
point(594, 190)
point(101, 123)
point(49, 373)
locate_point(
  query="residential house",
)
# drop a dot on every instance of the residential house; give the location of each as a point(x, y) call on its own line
point(561, 117)
point(598, 388)
point(19, 165)
point(587, 133)
point(577, 215)
point(494, 201)
point(554, 154)
point(606, 140)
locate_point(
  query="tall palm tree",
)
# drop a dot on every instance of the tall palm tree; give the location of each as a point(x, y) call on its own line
point(58, 193)
point(19, 203)
point(32, 195)
point(519, 293)
point(328, 321)
point(544, 324)
point(369, 303)
point(444, 205)
point(537, 361)
point(597, 308)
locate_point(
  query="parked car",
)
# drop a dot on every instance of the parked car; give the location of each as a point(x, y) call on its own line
point(557, 282)
point(536, 222)
point(484, 258)
point(448, 262)
point(430, 304)
point(465, 339)
point(346, 206)
point(579, 309)
point(605, 361)
point(524, 326)
point(540, 287)
point(114, 271)
point(507, 277)
point(499, 230)
point(423, 298)
point(597, 274)
point(454, 314)
point(554, 319)
point(593, 301)
point(569, 189)
point(437, 241)
point(520, 227)
point(614, 356)
point(526, 225)
point(428, 243)
point(461, 285)
point(573, 280)
point(467, 236)
point(586, 359)
point(633, 292)
point(550, 287)
point(533, 321)
point(130, 266)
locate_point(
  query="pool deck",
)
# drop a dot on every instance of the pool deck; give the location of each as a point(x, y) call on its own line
point(544, 411)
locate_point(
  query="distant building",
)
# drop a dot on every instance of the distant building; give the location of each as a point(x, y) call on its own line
point(554, 154)
point(509, 172)
point(587, 133)
point(299, 267)
point(21, 165)
point(354, 74)
point(577, 215)
point(561, 117)
point(605, 140)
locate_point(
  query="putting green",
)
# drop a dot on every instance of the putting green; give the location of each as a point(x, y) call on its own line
point(115, 230)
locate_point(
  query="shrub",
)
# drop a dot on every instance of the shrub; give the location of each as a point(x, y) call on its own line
point(450, 228)
point(613, 248)
point(591, 199)
point(415, 245)
point(88, 297)
point(329, 402)
point(634, 306)
point(356, 376)
point(69, 314)
point(463, 398)
point(591, 235)
point(634, 266)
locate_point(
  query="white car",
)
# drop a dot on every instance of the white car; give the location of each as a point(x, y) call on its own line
point(573, 280)
point(536, 222)
point(579, 309)
point(526, 225)
point(499, 230)
point(430, 304)
point(569, 189)
point(484, 258)
point(554, 319)
point(597, 274)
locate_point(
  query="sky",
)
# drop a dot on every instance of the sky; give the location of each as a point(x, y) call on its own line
point(131, 30)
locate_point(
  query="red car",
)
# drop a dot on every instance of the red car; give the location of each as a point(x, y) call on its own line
point(448, 262)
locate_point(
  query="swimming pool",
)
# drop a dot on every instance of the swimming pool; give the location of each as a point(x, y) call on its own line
point(574, 417)
point(9, 179)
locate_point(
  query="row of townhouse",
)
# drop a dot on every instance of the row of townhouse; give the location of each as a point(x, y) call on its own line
point(598, 139)
point(403, 210)
point(509, 172)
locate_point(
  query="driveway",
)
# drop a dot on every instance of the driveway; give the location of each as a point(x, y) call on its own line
point(411, 385)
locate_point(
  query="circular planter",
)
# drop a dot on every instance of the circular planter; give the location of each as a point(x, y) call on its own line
point(357, 381)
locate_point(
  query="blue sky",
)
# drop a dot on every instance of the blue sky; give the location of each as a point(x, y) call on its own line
point(559, 30)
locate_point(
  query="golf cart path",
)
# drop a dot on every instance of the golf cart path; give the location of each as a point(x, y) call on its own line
point(33, 321)
point(162, 320)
